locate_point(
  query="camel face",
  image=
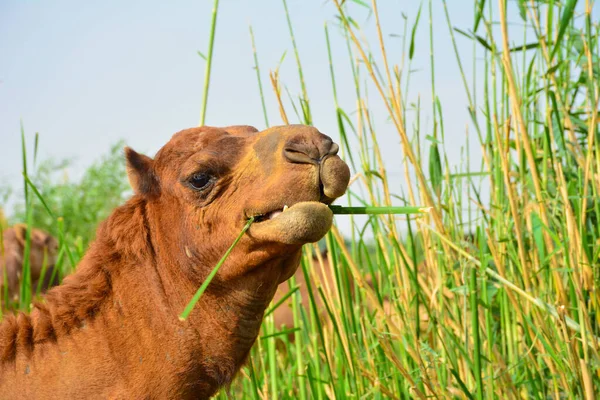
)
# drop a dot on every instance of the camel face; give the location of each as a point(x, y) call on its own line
point(206, 182)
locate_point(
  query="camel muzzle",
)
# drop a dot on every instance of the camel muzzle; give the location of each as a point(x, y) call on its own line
point(320, 151)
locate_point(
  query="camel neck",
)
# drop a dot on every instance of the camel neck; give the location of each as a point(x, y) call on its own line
point(122, 307)
point(227, 327)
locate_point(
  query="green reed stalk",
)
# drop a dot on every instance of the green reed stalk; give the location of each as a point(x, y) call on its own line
point(304, 103)
point(213, 26)
point(379, 210)
point(298, 360)
point(475, 331)
point(340, 115)
point(260, 88)
point(25, 287)
point(271, 356)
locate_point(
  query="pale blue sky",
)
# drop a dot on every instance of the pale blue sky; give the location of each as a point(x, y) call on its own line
point(86, 74)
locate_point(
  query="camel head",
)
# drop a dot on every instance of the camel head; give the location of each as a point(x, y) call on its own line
point(205, 183)
point(43, 251)
point(43, 248)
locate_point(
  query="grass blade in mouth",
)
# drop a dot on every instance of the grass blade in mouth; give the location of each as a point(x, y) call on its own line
point(379, 210)
point(209, 278)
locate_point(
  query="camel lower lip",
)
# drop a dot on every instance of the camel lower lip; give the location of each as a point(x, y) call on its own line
point(300, 223)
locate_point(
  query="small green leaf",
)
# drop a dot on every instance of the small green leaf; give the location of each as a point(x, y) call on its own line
point(373, 173)
point(411, 51)
point(361, 3)
point(478, 14)
point(353, 22)
point(281, 59)
point(35, 147)
point(432, 139)
point(552, 69)
point(565, 19)
point(465, 34)
point(435, 167)
point(536, 224)
point(524, 47)
point(522, 9)
point(460, 290)
point(471, 36)
point(483, 42)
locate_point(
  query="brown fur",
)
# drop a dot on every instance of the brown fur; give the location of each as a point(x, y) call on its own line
point(111, 330)
point(42, 253)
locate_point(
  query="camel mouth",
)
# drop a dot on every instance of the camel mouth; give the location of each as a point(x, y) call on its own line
point(277, 211)
point(308, 218)
point(270, 215)
point(299, 223)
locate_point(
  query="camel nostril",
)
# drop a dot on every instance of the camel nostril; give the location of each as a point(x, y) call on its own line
point(310, 152)
point(295, 156)
point(302, 153)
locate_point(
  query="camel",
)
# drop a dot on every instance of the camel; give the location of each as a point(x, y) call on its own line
point(42, 257)
point(111, 329)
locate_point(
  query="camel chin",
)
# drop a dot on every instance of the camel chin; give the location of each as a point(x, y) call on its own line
point(300, 223)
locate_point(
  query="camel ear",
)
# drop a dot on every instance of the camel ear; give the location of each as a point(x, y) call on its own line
point(140, 172)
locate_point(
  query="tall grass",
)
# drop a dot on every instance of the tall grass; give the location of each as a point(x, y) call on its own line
point(498, 301)
point(493, 294)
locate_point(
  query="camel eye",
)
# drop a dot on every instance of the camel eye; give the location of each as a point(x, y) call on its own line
point(200, 181)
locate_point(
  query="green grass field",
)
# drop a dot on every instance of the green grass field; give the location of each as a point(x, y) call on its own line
point(494, 292)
